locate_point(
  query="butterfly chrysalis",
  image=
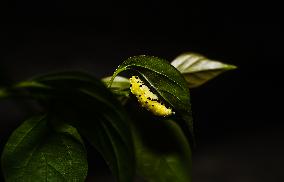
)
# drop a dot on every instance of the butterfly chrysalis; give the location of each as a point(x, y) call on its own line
point(148, 99)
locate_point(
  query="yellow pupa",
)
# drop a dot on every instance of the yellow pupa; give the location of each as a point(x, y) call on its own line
point(148, 99)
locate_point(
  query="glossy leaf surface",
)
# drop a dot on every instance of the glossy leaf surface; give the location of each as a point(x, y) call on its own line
point(198, 69)
point(35, 152)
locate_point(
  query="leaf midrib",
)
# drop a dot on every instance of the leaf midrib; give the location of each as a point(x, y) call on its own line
point(26, 134)
point(160, 91)
point(139, 66)
point(206, 70)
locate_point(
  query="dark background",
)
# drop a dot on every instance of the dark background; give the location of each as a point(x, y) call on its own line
point(238, 120)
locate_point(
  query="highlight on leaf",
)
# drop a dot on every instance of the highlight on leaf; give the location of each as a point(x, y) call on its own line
point(148, 99)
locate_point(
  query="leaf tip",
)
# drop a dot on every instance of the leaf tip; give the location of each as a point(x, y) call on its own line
point(231, 67)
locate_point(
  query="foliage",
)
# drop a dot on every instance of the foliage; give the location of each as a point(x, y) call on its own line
point(132, 141)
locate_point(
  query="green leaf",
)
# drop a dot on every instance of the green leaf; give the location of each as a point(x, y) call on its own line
point(162, 153)
point(88, 105)
point(104, 124)
point(198, 69)
point(164, 80)
point(36, 152)
point(120, 87)
point(119, 82)
point(67, 129)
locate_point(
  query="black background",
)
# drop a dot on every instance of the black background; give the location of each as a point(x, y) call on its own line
point(237, 116)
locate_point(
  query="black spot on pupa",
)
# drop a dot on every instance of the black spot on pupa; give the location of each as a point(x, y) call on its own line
point(136, 77)
point(140, 85)
point(153, 105)
point(148, 98)
point(146, 102)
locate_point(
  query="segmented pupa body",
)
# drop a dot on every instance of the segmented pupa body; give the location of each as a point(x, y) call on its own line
point(148, 99)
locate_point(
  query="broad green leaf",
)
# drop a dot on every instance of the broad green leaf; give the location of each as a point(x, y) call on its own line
point(162, 151)
point(35, 152)
point(88, 105)
point(164, 80)
point(198, 69)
